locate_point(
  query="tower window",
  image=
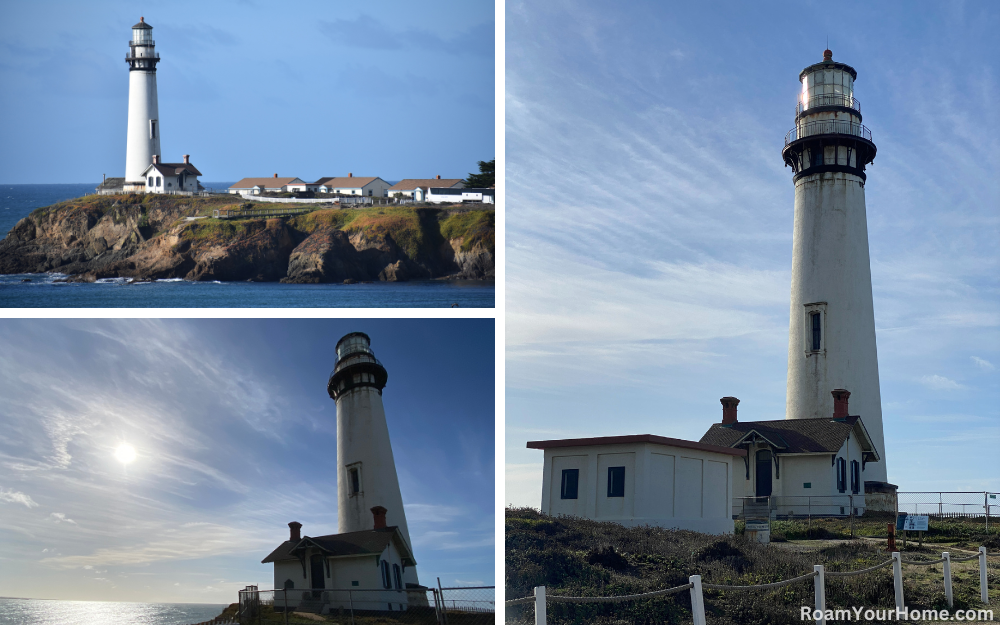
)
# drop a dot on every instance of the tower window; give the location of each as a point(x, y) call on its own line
point(152, 129)
point(570, 484)
point(354, 477)
point(816, 332)
point(616, 481)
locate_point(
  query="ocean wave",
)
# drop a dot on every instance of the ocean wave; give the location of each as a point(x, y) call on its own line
point(171, 280)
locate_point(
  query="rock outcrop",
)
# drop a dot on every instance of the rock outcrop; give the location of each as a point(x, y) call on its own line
point(158, 237)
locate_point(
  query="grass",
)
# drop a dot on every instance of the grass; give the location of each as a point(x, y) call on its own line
point(470, 226)
point(579, 557)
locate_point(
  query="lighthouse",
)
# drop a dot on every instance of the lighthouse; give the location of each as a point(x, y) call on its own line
point(143, 141)
point(831, 333)
point(366, 471)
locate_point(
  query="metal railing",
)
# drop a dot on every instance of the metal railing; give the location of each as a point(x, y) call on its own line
point(828, 99)
point(251, 213)
point(828, 127)
point(147, 42)
point(474, 605)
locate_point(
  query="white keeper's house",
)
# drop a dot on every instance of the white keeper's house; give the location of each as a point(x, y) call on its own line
point(361, 560)
point(806, 466)
point(641, 480)
point(256, 186)
point(172, 177)
point(453, 195)
point(407, 187)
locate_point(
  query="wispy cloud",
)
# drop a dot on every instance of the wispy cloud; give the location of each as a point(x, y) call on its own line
point(940, 383)
point(983, 364)
point(14, 496)
point(369, 32)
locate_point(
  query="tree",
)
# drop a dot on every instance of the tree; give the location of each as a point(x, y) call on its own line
point(484, 179)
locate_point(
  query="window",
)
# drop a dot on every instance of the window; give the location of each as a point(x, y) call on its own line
point(855, 477)
point(386, 580)
point(159, 181)
point(354, 475)
point(815, 320)
point(152, 129)
point(150, 181)
point(355, 583)
point(570, 484)
point(807, 485)
point(397, 575)
point(817, 156)
point(170, 184)
point(616, 481)
point(289, 584)
point(841, 475)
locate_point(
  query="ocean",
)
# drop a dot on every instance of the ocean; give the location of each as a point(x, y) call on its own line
point(44, 290)
point(50, 612)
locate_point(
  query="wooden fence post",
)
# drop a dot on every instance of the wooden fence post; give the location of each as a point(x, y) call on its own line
point(947, 578)
point(539, 605)
point(897, 579)
point(984, 591)
point(820, 582)
point(697, 601)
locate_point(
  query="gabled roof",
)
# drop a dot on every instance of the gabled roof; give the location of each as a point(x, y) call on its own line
point(347, 182)
point(363, 543)
point(173, 169)
point(794, 436)
point(248, 183)
point(412, 183)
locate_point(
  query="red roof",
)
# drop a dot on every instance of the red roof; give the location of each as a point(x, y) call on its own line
point(635, 438)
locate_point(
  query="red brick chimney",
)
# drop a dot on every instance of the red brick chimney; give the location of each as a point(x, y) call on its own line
point(350, 175)
point(379, 513)
point(187, 159)
point(439, 177)
point(275, 175)
point(156, 159)
point(840, 402)
point(295, 528)
point(729, 410)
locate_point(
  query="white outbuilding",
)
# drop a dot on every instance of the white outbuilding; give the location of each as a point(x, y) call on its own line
point(407, 187)
point(640, 480)
point(367, 186)
point(256, 186)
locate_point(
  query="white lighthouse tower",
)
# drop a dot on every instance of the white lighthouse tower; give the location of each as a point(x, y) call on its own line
point(366, 471)
point(143, 113)
point(831, 334)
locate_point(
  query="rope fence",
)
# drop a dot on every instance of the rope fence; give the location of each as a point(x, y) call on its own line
point(818, 575)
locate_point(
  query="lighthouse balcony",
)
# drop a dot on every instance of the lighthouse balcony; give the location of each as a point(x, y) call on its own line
point(828, 127)
point(142, 42)
point(145, 57)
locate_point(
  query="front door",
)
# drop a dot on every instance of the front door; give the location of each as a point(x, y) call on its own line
point(763, 473)
point(318, 575)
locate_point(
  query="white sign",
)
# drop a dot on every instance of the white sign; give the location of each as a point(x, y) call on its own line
point(915, 523)
point(758, 526)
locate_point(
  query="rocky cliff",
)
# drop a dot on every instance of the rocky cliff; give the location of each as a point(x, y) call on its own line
point(157, 236)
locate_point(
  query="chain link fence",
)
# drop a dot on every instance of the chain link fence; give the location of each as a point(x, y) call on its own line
point(437, 606)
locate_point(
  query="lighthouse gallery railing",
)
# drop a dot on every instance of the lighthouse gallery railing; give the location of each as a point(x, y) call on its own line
point(828, 127)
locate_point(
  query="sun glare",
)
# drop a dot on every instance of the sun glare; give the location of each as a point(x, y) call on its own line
point(125, 453)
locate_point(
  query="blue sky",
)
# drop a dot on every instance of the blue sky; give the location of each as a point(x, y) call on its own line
point(649, 221)
point(235, 436)
point(249, 88)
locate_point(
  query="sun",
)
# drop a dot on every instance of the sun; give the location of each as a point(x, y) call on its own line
point(125, 453)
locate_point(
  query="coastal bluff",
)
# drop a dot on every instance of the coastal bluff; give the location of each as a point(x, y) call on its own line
point(151, 237)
